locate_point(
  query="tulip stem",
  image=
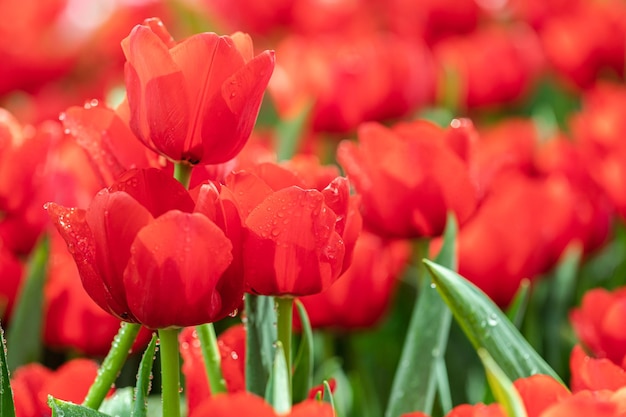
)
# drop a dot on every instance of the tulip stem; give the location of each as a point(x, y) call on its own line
point(284, 311)
point(212, 359)
point(182, 173)
point(112, 365)
point(170, 372)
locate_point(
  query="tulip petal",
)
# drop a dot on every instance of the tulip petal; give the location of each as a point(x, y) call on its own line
point(292, 238)
point(176, 264)
point(114, 218)
point(237, 106)
point(154, 190)
point(73, 227)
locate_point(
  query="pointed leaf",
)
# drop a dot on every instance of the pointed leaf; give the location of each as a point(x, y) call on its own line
point(518, 306)
point(277, 393)
point(414, 384)
point(64, 409)
point(119, 404)
point(24, 334)
point(260, 337)
point(303, 365)
point(486, 326)
point(7, 407)
point(144, 380)
point(328, 395)
point(502, 388)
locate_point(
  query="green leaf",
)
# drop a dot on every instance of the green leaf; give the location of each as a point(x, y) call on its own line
point(277, 393)
point(24, 334)
point(260, 337)
point(64, 409)
point(328, 395)
point(486, 326)
point(289, 133)
point(7, 407)
point(502, 388)
point(518, 306)
point(415, 383)
point(303, 365)
point(120, 404)
point(144, 380)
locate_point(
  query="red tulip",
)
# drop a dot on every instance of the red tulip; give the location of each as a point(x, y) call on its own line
point(196, 100)
point(589, 373)
point(410, 176)
point(232, 347)
point(33, 383)
point(298, 239)
point(362, 294)
point(147, 253)
point(598, 323)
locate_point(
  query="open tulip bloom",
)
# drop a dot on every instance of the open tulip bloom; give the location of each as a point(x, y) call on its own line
point(280, 270)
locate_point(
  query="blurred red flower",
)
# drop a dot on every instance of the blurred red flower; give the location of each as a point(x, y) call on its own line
point(410, 176)
point(598, 323)
point(147, 253)
point(245, 404)
point(232, 347)
point(589, 373)
point(33, 383)
point(351, 78)
point(362, 294)
point(201, 114)
point(299, 237)
point(491, 66)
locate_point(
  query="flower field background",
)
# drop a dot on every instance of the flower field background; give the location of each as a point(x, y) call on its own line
point(352, 208)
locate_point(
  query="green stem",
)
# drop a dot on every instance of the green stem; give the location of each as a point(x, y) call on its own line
point(170, 372)
point(284, 308)
point(182, 172)
point(112, 365)
point(212, 359)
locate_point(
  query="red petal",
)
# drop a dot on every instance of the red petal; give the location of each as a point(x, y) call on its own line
point(229, 405)
point(539, 392)
point(238, 104)
point(292, 244)
point(73, 227)
point(155, 190)
point(248, 190)
point(177, 262)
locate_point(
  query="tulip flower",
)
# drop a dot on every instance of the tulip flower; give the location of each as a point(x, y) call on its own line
point(362, 294)
point(232, 348)
point(298, 239)
point(196, 100)
point(33, 383)
point(589, 373)
point(410, 176)
point(598, 323)
point(147, 253)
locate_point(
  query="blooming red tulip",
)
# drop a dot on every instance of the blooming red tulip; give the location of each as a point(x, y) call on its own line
point(410, 176)
point(147, 253)
point(298, 239)
point(598, 323)
point(196, 100)
point(33, 383)
point(589, 373)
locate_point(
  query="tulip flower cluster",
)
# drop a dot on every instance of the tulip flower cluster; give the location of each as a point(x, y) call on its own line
point(309, 208)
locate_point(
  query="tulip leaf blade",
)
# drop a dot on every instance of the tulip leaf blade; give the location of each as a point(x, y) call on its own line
point(25, 333)
point(415, 383)
point(142, 389)
point(289, 133)
point(62, 408)
point(303, 365)
point(502, 388)
point(120, 404)
point(486, 326)
point(7, 407)
point(278, 390)
point(260, 337)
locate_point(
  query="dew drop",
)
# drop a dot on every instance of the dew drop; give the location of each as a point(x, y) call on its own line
point(492, 320)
